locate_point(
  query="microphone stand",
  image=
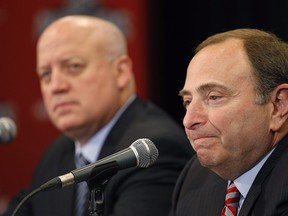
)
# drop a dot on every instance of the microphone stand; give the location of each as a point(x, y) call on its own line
point(97, 182)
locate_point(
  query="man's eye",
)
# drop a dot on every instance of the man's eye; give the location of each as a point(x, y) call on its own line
point(213, 97)
point(186, 103)
point(216, 99)
point(44, 75)
point(74, 65)
point(75, 68)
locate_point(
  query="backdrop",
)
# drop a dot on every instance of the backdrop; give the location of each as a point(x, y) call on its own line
point(21, 21)
point(162, 36)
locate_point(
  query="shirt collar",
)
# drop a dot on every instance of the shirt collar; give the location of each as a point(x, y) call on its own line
point(92, 148)
point(245, 181)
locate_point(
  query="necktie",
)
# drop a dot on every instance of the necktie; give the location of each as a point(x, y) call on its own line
point(82, 188)
point(231, 201)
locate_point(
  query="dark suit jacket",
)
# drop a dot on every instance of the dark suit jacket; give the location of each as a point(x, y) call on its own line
point(200, 192)
point(131, 192)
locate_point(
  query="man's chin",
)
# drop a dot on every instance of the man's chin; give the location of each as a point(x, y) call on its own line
point(68, 126)
point(206, 160)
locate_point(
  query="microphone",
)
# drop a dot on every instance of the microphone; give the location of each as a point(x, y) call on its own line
point(141, 153)
point(8, 130)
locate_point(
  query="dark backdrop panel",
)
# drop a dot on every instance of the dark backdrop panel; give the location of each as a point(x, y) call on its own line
point(176, 27)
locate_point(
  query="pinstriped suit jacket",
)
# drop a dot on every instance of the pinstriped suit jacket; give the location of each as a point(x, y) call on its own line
point(200, 192)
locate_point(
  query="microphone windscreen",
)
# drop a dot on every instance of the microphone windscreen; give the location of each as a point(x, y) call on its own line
point(146, 151)
point(8, 130)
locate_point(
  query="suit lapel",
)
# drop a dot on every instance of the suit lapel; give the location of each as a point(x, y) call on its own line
point(252, 196)
point(259, 181)
point(114, 142)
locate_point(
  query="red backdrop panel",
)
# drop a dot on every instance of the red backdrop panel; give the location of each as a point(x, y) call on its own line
point(19, 90)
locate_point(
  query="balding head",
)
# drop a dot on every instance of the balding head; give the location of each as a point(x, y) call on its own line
point(105, 35)
point(85, 74)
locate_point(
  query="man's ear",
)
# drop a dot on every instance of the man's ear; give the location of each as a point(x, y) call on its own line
point(123, 67)
point(279, 98)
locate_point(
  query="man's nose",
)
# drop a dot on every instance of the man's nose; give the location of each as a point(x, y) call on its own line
point(59, 81)
point(195, 116)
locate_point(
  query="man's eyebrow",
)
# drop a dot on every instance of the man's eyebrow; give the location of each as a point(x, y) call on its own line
point(205, 87)
point(183, 92)
point(211, 86)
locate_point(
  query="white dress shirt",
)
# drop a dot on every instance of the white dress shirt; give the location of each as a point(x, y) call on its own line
point(245, 181)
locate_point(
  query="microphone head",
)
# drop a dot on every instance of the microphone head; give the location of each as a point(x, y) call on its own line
point(145, 151)
point(8, 130)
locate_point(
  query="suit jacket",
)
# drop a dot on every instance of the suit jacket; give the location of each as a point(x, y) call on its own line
point(131, 192)
point(200, 192)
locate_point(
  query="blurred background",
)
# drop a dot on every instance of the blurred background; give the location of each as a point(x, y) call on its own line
point(161, 35)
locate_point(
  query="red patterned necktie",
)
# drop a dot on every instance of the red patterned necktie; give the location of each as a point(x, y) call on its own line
point(231, 201)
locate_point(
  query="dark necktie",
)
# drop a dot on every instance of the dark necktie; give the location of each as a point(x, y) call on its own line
point(82, 188)
point(231, 201)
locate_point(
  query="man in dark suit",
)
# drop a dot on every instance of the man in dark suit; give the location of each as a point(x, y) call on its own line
point(236, 99)
point(88, 88)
